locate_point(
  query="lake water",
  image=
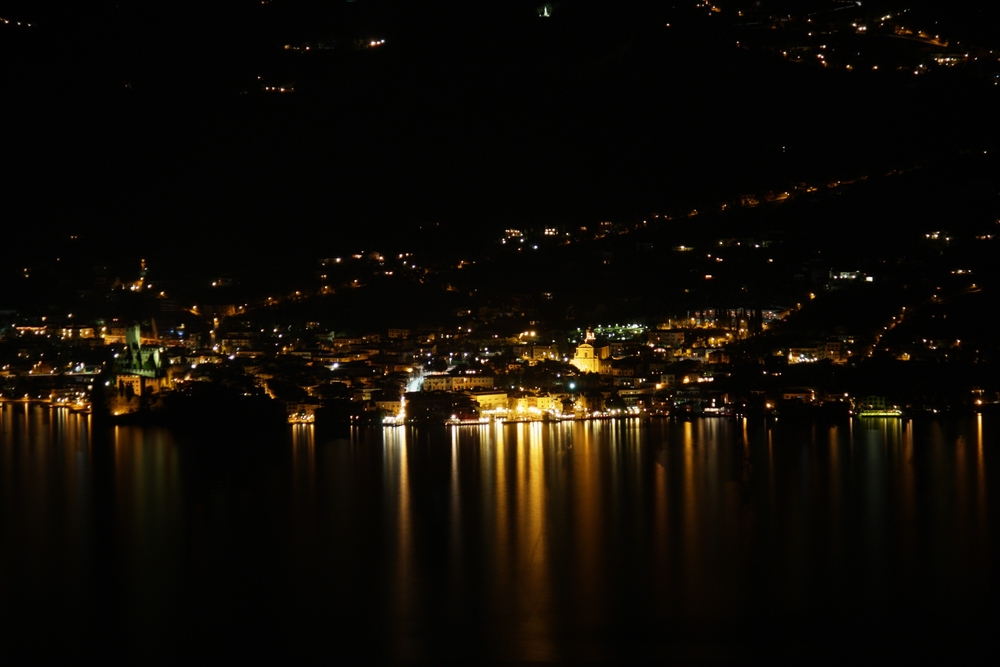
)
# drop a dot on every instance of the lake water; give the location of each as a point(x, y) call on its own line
point(701, 540)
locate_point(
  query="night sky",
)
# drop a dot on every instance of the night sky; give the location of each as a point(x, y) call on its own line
point(144, 132)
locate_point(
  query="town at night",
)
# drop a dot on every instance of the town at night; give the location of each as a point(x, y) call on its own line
point(499, 331)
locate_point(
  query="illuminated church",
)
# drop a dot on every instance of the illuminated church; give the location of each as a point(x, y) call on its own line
point(584, 358)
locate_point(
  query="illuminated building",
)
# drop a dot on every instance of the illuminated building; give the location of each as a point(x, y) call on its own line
point(140, 362)
point(445, 382)
point(585, 360)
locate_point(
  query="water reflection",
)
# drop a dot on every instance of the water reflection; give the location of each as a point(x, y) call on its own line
point(148, 530)
point(982, 507)
point(579, 540)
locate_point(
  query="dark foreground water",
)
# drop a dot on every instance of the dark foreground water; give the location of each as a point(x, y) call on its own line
point(694, 540)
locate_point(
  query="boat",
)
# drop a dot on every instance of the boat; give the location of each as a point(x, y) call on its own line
point(874, 406)
point(891, 412)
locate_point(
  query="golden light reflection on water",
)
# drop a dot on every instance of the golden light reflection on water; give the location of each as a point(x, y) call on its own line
point(529, 541)
point(982, 506)
point(833, 446)
point(588, 522)
point(396, 484)
point(304, 458)
point(597, 468)
point(690, 503)
point(149, 522)
point(662, 510)
point(46, 494)
point(146, 473)
point(497, 504)
point(961, 483)
point(551, 500)
point(529, 562)
point(907, 498)
point(455, 506)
